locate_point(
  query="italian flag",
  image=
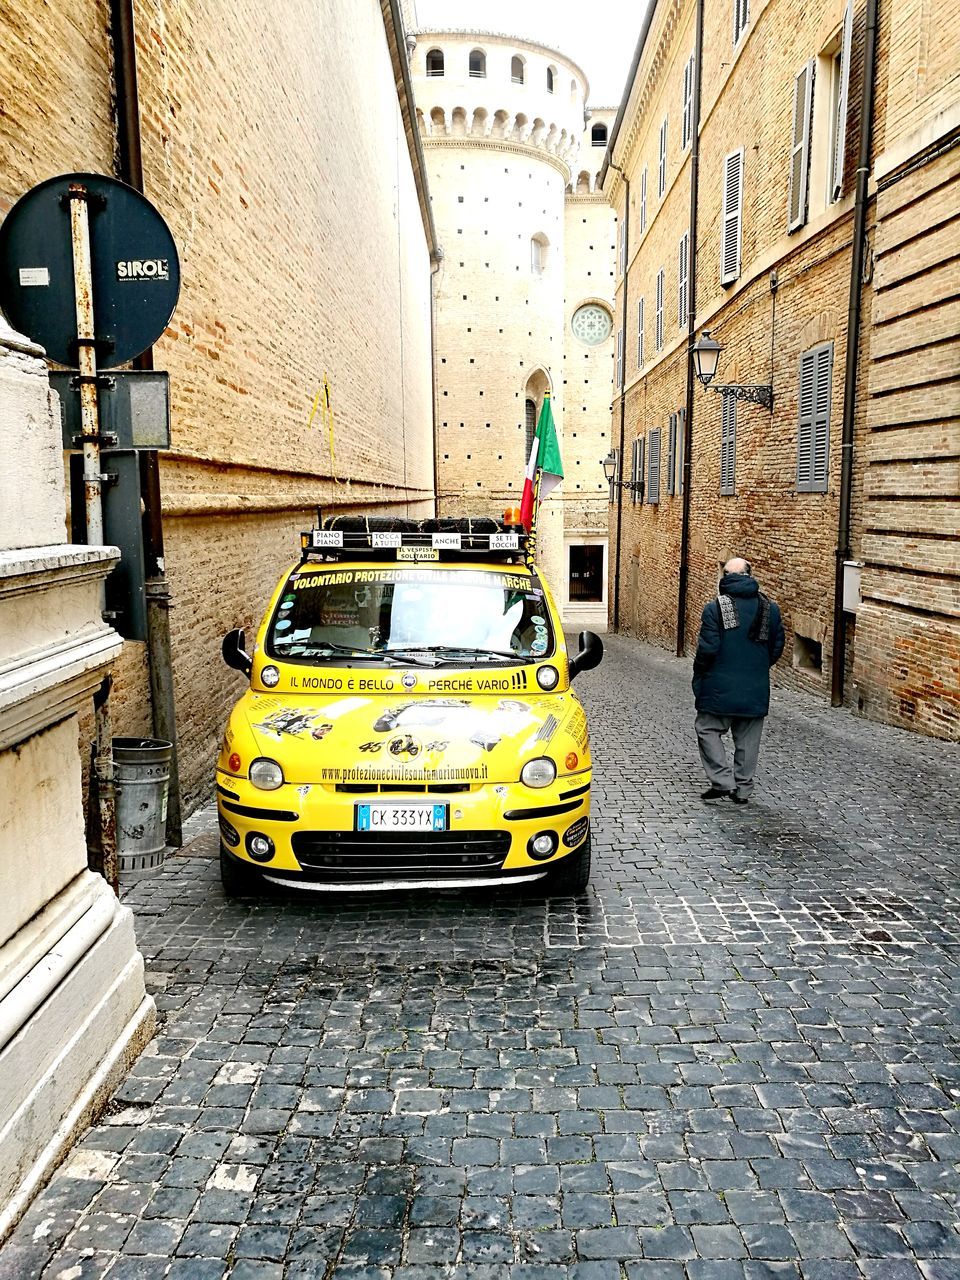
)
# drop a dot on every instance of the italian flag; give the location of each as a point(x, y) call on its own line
point(545, 458)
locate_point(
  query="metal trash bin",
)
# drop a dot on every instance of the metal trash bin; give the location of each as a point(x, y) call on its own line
point(142, 771)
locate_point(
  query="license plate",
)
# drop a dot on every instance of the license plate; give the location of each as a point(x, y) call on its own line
point(401, 817)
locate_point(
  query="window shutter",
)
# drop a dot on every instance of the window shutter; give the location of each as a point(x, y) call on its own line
point(619, 359)
point(634, 472)
point(741, 16)
point(732, 216)
point(681, 445)
point(821, 418)
point(683, 255)
point(621, 246)
point(672, 455)
point(662, 175)
point(659, 312)
point(800, 148)
point(640, 333)
point(643, 200)
point(728, 445)
point(653, 468)
point(687, 123)
point(840, 127)
point(641, 462)
point(813, 427)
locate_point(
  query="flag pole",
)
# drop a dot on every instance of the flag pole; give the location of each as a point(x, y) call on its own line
point(532, 536)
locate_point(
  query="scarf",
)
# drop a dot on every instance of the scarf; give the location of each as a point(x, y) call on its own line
point(730, 619)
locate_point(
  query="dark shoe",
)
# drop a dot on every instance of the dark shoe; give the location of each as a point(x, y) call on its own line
point(737, 798)
point(714, 793)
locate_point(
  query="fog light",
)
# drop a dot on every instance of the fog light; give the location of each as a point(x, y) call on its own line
point(230, 834)
point(259, 847)
point(542, 845)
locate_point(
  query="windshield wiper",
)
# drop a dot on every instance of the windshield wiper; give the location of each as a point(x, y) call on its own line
point(329, 648)
point(451, 653)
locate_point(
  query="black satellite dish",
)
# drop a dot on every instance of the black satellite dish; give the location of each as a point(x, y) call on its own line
point(134, 266)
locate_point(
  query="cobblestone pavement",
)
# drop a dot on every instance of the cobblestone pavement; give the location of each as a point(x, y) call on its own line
point(734, 1058)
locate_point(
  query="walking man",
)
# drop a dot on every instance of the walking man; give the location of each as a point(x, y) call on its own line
point(741, 637)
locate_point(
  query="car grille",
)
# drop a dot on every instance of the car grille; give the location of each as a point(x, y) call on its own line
point(384, 788)
point(398, 855)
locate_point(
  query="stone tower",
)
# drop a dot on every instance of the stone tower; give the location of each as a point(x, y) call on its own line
point(524, 294)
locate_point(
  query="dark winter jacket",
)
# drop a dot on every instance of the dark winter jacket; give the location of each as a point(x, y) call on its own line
point(731, 671)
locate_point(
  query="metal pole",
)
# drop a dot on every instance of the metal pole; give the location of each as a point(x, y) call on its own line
point(623, 397)
point(104, 859)
point(686, 474)
point(87, 361)
point(851, 371)
point(157, 588)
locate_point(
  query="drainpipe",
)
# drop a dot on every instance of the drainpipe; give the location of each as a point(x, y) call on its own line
point(687, 473)
point(853, 353)
point(623, 397)
point(436, 259)
point(130, 170)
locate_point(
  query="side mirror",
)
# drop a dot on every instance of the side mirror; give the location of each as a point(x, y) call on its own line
point(233, 652)
point(590, 655)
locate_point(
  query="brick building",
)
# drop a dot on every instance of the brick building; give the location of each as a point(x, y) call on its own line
point(766, 127)
point(524, 294)
point(261, 140)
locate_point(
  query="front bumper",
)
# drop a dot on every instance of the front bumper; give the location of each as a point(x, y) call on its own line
point(312, 831)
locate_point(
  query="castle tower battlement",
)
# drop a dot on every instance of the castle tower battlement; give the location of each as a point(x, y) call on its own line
point(500, 90)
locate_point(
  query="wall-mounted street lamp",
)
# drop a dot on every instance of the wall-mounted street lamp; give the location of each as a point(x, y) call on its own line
point(706, 357)
point(609, 464)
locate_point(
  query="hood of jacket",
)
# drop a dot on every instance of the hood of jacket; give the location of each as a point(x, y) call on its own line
point(740, 585)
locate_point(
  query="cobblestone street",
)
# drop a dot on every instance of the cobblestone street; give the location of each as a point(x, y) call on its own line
point(735, 1058)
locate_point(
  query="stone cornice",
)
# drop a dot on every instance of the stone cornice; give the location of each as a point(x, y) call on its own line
point(501, 144)
point(28, 569)
point(45, 689)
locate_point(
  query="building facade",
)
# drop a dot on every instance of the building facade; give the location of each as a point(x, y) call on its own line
point(260, 141)
point(761, 111)
point(523, 301)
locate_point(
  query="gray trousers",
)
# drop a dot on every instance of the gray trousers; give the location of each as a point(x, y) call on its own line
point(746, 733)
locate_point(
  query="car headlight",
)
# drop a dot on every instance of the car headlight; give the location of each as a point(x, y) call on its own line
point(270, 676)
point(538, 773)
point(266, 774)
point(547, 677)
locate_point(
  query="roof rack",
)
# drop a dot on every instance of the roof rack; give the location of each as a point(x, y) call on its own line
point(415, 541)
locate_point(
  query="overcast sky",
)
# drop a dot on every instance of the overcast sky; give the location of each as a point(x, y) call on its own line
point(599, 35)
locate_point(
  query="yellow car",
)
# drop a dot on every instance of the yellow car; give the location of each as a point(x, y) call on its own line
point(409, 721)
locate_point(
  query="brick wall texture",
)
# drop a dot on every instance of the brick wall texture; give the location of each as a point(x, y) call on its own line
point(276, 151)
point(790, 295)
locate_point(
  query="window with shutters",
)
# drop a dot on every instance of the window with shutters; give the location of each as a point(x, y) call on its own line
point(662, 172)
point(658, 318)
point(653, 468)
point(619, 358)
point(683, 254)
point(800, 148)
point(643, 200)
point(728, 446)
point(622, 246)
point(813, 427)
point(686, 125)
point(640, 333)
point(732, 222)
point(741, 18)
point(636, 470)
point(681, 445)
point(828, 118)
point(672, 454)
point(839, 114)
point(530, 427)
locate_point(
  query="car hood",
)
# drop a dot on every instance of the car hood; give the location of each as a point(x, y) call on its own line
point(425, 739)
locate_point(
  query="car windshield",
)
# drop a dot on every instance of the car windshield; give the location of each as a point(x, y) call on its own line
point(415, 616)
